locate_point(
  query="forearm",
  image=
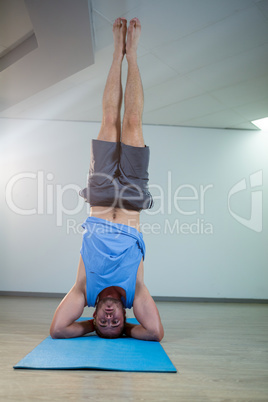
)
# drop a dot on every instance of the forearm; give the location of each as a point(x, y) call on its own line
point(76, 329)
point(139, 332)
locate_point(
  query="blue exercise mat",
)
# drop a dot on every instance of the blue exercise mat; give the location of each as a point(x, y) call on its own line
point(92, 352)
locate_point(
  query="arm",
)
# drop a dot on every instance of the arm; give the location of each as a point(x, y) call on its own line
point(146, 312)
point(69, 310)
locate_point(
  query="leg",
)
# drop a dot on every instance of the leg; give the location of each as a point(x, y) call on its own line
point(112, 96)
point(132, 122)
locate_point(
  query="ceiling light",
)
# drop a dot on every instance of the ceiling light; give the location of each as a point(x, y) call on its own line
point(261, 123)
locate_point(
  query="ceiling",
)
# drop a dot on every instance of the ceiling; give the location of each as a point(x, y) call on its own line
point(204, 63)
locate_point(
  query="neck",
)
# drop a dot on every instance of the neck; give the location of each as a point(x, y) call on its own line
point(110, 292)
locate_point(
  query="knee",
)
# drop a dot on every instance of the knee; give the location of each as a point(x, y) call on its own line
point(132, 131)
point(110, 128)
point(132, 126)
point(110, 118)
point(133, 121)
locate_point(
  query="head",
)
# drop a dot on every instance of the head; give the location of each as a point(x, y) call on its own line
point(109, 318)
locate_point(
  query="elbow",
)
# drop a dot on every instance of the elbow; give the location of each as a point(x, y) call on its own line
point(55, 333)
point(158, 334)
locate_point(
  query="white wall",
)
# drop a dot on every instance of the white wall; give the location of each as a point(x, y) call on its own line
point(205, 253)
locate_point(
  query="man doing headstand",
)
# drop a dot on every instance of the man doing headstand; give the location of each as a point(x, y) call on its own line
point(110, 271)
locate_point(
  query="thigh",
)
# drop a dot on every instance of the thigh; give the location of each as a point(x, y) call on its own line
point(134, 162)
point(104, 159)
point(134, 177)
point(102, 189)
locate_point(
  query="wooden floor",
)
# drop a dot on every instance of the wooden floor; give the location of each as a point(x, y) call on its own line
point(219, 350)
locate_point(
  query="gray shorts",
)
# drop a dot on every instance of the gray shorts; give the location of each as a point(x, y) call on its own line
point(118, 176)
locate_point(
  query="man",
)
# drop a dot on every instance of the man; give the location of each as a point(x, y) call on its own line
point(110, 271)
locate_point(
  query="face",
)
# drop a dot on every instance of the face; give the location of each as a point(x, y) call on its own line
point(110, 317)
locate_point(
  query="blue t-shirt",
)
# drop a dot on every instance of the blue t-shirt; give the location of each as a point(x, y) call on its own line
point(111, 253)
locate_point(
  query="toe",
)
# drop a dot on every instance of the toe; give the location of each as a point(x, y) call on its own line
point(117, 22)
point(132, 24)
point(135, 21)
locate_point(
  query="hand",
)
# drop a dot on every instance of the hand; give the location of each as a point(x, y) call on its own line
point(128, 328)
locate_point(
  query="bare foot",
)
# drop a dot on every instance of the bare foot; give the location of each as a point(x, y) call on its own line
point(119, 32)
point(133, 36)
